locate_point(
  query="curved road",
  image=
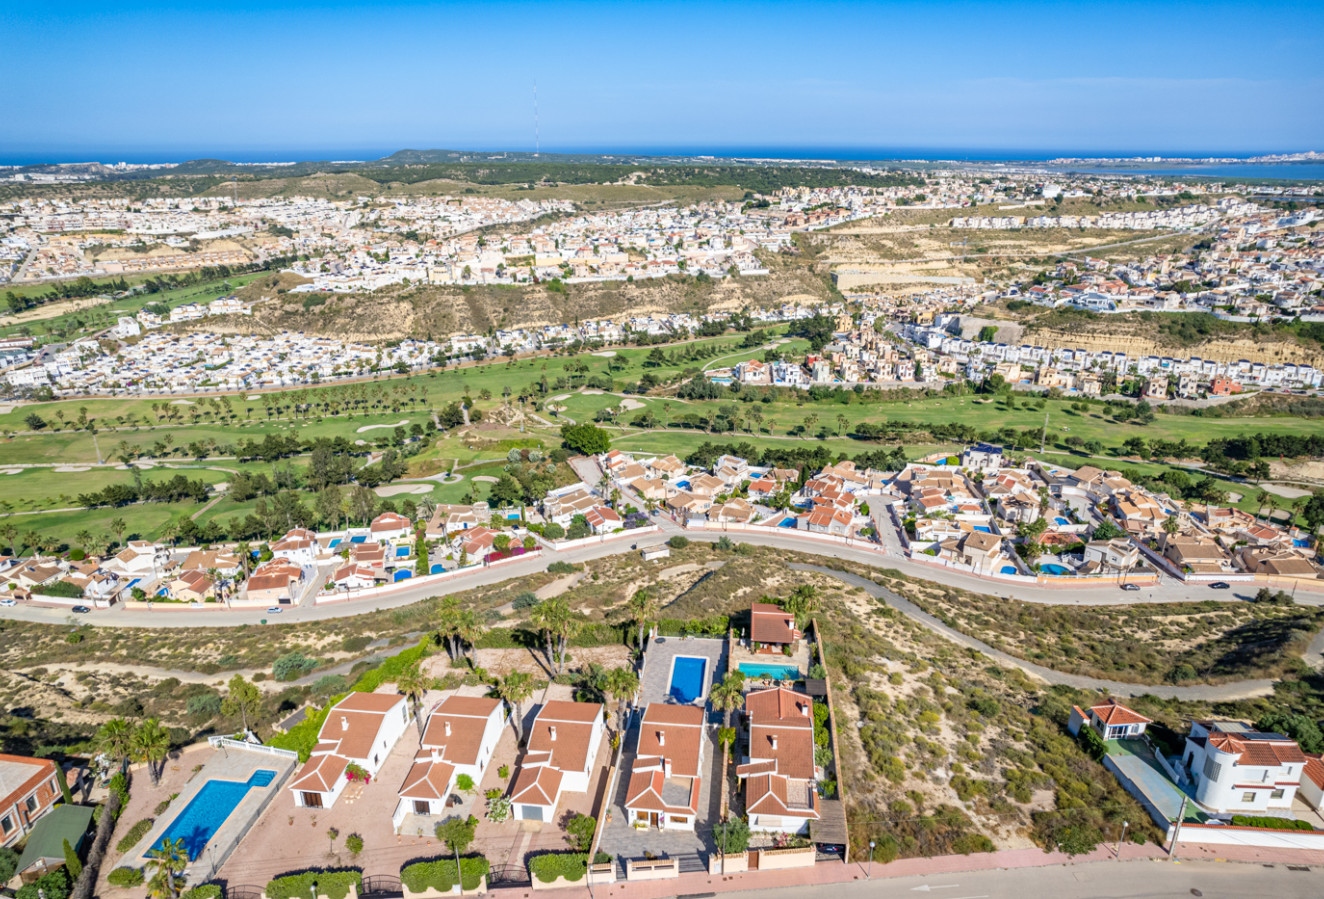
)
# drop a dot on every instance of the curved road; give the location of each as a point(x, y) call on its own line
point(1169, 591)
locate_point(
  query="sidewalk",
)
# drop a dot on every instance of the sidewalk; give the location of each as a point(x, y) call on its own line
point(836, 872)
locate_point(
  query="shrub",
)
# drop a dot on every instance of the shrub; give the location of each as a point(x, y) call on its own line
point(120, 784)
point(528, 599)
point(560, 567)
point(8, 863)
point(204, 705)
point(580, 832)
point(440, 874)
point(503, 772)
point(554, 531)
point(456, 832)
point(292, 666)
point(1274, 823)
point(203, 891)
point(967, 843)
point(570, 865)
point(464, 783)
point(125, 877)
point(333, 884)
point(732, 837)
point(133, 835)
point(354, 843)
point(54, 885)
point(678, 542)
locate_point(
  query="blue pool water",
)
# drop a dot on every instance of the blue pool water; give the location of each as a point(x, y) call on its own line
point(1062, 522)
point(1008, 569)
point(687, 678)
point(786, 523)
point(683, 485)
point(1300, 543)
point(207, 811)
point(362, 538)
point(403, 573)
point(775, 672)
point(1054, 569)
point(401, 551)
point(334, 543)
point(437, 568)
point(983, 529)
point(512, 516)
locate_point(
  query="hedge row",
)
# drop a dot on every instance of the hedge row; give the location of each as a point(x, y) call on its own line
point(332, 884)
point(133, 835)
point(440, 874)
point(125, 877)
point(1270, 822)
point(570, 865)
point(203, 891)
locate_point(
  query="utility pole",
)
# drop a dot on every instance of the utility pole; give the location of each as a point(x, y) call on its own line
point(1176, 831)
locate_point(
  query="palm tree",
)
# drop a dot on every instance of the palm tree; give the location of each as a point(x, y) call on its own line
point(151, 744)
point(84, 539)
point(728, 694)
point(546, 617)
point(802, 604)
point(118, 526)
point(642, 607)
point(414, 683)
point(621, 683)
point(115, 739)
point(470, 631)
point(515, 689)
point(9, 532)
point(167, 864)
point(447, 624)
point(1261, 498)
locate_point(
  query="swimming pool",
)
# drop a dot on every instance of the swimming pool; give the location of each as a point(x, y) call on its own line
point(983, 529)
point(1062, 522)
point(774, 672)
point(207, 811)
point(1008, 569)
point(687, 677)
point(786, 523)
point(401, 552)
point(1058, 570)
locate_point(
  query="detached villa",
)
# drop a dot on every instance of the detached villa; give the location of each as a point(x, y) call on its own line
point(562, 750)
point(1236, 768)
point(359, 730)
point(771, 627)
point(460, 737)
point(780, 772)
point(665, 777)
point(1110, 719)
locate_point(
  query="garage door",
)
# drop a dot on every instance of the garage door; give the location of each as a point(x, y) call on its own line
point(532, 812)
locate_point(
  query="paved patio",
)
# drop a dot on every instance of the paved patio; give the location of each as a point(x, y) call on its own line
point(655, 684)
point(799, 657)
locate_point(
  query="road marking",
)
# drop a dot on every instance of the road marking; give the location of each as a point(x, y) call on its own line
point(927, 887)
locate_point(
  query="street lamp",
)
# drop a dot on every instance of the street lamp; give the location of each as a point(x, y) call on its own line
point(869, 875)
point(1122, 838)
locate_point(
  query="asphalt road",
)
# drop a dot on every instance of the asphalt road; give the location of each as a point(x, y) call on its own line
point(1096, 880)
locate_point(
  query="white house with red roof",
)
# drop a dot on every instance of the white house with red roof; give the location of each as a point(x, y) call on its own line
point(1312, 781)
point(461, 734)
point(298, 546)
point(664, 784)
point(772, 627)
point(1236, 768)
point(562, 750)
point(390, 526)
point(779, 772)
point(1110, 719)
point(359, 730)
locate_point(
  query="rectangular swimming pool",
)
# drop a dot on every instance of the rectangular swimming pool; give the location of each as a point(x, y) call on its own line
point(207, 811)
point(772, 672)
point(687, 678)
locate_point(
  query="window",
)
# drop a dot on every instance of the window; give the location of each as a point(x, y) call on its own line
point(6, 824)
point(1212, 769)
point(1248, 796)
point(30, 803)
point(677, 819)
point(421, 807)
point(312, 800)
point(1277, 794)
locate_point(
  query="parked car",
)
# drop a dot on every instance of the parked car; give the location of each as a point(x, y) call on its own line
point(7, 603)
point(1220, 585)
point(81, 610)
point(1131, 588)
point(274, 610)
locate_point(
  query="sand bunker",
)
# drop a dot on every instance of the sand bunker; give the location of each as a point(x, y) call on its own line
point(366, 428)
point(253, 396)
point(484, 478)
point(12, 471)
point(397, 489)
point(560, 396)
point(607, 353)
point(69, 468)
point(630, 405)
point(182, 403)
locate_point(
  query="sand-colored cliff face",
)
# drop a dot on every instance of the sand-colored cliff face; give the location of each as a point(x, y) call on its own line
point(1268, 351)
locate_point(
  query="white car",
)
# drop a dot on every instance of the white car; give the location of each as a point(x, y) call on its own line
point(274, 610)
point(7, 603)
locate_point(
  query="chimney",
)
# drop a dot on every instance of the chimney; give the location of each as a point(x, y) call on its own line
point(661, 738)
point(551, 731)
point(773, 741)
point(344, 723)
point(448, 728)
point(804, 709)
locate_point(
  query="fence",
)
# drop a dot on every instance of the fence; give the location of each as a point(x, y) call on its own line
point(231, 743)
point(633, 533)
point(425, 580)
point(1232, 835)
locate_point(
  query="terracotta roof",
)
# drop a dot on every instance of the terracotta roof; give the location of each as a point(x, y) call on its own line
point(467, 719)
point(320, 773)
point(572, 725)
point(353, 723)
point(769, 794)
point(427, 779)
point(1260, 752)
point(770, 624)
point(536, 786)
point(1315, 769)
point(781, 729)
point(674, 733)
point(1113, 712)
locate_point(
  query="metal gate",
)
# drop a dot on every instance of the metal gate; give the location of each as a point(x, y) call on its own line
point(382, 886)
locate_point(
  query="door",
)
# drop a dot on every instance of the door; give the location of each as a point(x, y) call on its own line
point(312, 800)
point(532, 813)
point(753, 860)
point(653, 818)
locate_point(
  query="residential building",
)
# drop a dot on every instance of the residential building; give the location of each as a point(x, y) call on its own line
point(28, 790)
point(359, 730)
point(562, 749)
point(1236, 768)
point(666, 774)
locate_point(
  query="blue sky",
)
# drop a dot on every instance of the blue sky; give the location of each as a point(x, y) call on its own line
point(251, 80)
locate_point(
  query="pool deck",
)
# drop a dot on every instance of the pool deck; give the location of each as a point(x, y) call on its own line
point(655, 685)
point(799, 657)
point(228, 762)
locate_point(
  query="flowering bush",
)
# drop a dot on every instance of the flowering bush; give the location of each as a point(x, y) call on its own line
point(357, 774)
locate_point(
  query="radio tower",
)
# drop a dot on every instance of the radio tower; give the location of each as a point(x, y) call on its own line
point(537, 139)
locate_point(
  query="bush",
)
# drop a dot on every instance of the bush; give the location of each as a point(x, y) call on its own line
point(528, 599)
point(732, 837)
point(133, 835)
point(570, 865)
point(8, 863)
point(580, 830)
point(678, 542)
point(554, 531)
point(333, 884)
point(204, 705)
point(120, 784)
point(1274, 823)
point(292, 666)
point(354, 843)
point(125, 877)
point(457, 833)
point(203, 891)
point(54, 885)
point(440, 874)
